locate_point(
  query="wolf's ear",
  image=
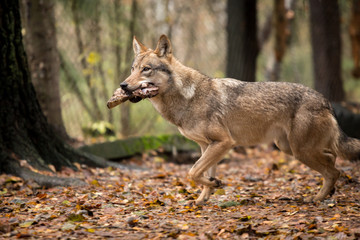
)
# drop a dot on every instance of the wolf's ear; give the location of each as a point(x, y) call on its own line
point(138, 47)
point(163, 47)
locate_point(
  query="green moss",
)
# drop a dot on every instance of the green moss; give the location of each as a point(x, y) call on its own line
point(136, 145)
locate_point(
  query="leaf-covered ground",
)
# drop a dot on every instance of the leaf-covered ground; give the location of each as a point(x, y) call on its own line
point(262, 199)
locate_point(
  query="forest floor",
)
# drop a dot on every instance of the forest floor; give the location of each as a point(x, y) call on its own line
point(262, 198)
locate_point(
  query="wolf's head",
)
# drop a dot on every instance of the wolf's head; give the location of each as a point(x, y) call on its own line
point(151, 68)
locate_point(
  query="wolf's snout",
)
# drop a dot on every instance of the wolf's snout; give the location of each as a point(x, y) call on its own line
point(123, 85)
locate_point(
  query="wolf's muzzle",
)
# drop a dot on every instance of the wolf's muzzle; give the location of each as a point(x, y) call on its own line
point(124, 85)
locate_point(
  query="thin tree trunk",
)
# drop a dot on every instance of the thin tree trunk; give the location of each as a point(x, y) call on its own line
point(354, 30)
point(84, 65)
point(265, 32)
point(169, 19)
point(282, 21)
point(43, 59)
point(132, 25)
point(326, 47)
point(75, 88)
point(117, 41)
point(125, 107)
point(192, 49)
point(97, 32)
point(242, 40)
point(117, 44)
point(280, 29)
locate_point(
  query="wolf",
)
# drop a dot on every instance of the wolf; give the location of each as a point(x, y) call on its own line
point(221, 113)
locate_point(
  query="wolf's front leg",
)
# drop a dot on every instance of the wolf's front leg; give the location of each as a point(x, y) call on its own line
point(212, 155)
point(207, 191)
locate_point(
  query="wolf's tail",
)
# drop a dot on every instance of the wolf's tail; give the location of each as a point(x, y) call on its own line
point(348, 148)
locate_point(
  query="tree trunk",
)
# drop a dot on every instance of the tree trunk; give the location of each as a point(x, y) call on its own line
point(84, 65)
point(265, 31)
point(125, 107)
point(119, 77)
point(326, 46)
point(354, 30)
point(98, 46)
point(168, 19)
point(280, 29)
point(24, 131)
point(71, 80)
point(117, 41)
point(283, 21)
point(41, 47)
point(242, 40)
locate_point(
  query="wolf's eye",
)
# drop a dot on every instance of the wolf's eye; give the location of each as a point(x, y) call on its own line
point(145, 69)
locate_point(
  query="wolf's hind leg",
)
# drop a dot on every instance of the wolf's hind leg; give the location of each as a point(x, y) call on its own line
point(207, 191)
point(330, 174)
point(311, 144)
point(324, 163)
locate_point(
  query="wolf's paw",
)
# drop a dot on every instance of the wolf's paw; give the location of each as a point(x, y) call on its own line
point(309, 199)
point(313, 199)
point(217, 182)
point(332, 192)
point(190, 203)
point(194, 203)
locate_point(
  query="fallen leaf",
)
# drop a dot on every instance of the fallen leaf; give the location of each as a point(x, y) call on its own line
point(68, 226)
point(27, 223)
point(228, 204)
point(219, 191)
point(75, 217)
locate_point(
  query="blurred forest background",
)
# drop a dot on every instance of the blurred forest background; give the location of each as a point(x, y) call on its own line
point(85, 48)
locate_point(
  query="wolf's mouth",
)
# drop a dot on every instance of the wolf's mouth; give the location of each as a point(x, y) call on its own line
point(145, 90)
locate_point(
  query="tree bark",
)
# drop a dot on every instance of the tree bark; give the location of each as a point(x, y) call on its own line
point(24, 131)
point(168, 19)
point(265, 31)
point(71, 80)
point(41, 47)
point(283, 22)
point(84, 65)
point(354, 30)
point(98, 46)
point(119, 76)
point(280, 29)
point(125, 107)
point(117, 41)
point(242, 40)
point(326, 47)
